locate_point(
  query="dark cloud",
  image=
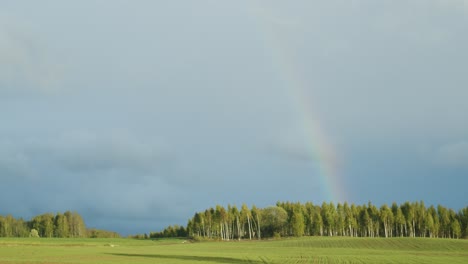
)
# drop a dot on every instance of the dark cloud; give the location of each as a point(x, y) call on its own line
point(111, 175)
point(161, 111)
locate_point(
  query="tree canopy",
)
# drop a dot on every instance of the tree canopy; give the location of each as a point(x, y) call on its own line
point(410, 219)
point(68, 224)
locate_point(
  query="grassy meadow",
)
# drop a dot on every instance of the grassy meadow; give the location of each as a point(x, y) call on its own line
point(294, 250)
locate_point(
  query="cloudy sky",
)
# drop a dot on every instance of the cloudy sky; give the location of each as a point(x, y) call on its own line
point(136, 114)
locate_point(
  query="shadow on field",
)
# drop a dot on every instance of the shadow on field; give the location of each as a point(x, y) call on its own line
point(189, 258)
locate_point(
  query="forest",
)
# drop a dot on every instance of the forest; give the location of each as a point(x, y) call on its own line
point(296, 219)
point(285, 219)
point(63, 225)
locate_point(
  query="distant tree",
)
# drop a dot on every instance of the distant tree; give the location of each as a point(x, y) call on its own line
point(339, 220)
point(374, 219)
point(348, 220)
point(296, 219)
point(274, 219)
point(456, 229)
point(287, 229)
point(421, 218)
point(297, 222)
point(463, 216)
point(400, 222)
point(246, 216)
point(97, 233)
point(61, 225)
point(436, 228)
point(196, 225)
point(7, 225)
point(429, 225)
point(47, 225)
point(236, 224)
point(76, 225)
point(318, 223)
point(409, 213)
point(355, 219)
point(257, 217)
point(5, 229)
point(329, 217)
point(223, 222)
point(386, 216)
point(309, 210)
point(208, 222)
point(444, 219)
point(34, 233)
point(19, 228)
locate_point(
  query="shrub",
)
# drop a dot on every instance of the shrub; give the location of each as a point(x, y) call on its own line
point(34, 233)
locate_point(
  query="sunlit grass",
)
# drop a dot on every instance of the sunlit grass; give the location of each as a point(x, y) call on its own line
point(289, 250)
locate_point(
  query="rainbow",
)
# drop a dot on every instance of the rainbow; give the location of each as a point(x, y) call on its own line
point(318, 145)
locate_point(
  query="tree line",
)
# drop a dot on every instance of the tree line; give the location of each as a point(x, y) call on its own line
point(62, 225)
point(296, 219)
point(168, 232)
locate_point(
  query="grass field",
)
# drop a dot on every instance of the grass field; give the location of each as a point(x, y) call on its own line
point(294, 250)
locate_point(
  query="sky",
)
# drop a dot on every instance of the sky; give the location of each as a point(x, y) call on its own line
point(137, 114)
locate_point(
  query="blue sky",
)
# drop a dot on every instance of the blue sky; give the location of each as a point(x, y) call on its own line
point(136, 114)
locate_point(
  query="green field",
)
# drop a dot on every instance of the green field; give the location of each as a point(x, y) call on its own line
point(294, 250)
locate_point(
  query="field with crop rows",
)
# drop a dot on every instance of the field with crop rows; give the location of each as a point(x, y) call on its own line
point(294, 250)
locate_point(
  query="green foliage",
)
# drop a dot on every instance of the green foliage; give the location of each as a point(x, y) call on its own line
point(296, 219)
point(34, 233)
point(297, 223)
point(61, 226)
point(97, 233)
point(68, 224)
point(456, 229)
point(11, 227)
point(76, 225)
point(274, 221)
point(170, 231)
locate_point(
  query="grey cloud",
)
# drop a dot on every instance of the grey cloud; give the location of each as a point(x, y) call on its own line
point(174, 112)
point(97, 175)
point(457, 4)
point(85, 154)
point(378, 72)
point(106, 153)
point(293, 141)
point(25, 64)
point(293, 152)
point(14, 163)
point(453, 154)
